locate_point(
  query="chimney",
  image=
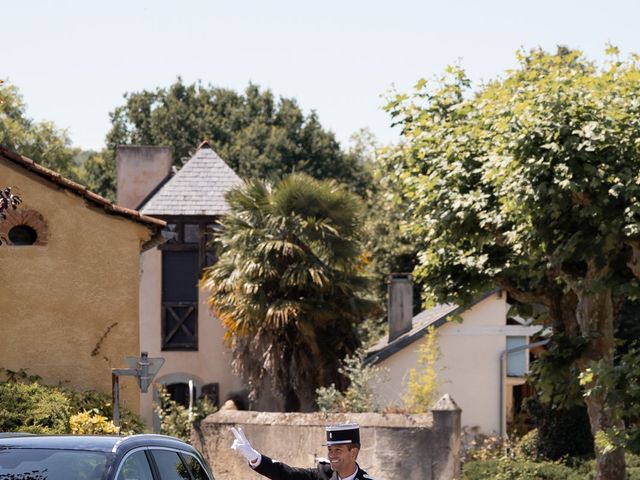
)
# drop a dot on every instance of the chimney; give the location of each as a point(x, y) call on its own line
point(140, 170)
point(400, 304)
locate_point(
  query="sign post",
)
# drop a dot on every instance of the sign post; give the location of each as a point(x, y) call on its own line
point(143, 368)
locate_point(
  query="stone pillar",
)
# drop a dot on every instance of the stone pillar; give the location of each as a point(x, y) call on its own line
point(446, 439)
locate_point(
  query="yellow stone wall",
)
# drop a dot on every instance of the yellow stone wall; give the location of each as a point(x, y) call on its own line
point(69, 309)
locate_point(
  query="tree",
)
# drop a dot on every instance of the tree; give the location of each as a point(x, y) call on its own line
point(258, 135)
point(531, 184)
point(41, 141)
point(288, 285)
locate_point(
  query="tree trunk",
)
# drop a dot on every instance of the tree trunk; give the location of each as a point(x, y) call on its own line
point(594, 314)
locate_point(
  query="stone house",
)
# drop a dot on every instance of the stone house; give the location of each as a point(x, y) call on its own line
point(69, 299)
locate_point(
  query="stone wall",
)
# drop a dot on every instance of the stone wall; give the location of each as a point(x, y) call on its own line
point(394, 446)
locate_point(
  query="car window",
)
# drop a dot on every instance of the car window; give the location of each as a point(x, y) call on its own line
point(197, 470)
point(170, 465)
point(136, 467)
point(49, 464)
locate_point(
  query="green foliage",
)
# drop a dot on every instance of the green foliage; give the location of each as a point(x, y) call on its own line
point(530, 183)
point(258, 135)
point(41, 141)
point(91, 423)
point(33, 408)
point(619, 384)
point(101, 404)
point(517, 469)
point(176, 420)
point(561, 431)
point(422, 387)
point(28, 406)
point(289, 285)
point(359, 396)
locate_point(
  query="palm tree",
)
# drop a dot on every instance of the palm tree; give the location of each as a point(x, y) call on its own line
point(289, 284)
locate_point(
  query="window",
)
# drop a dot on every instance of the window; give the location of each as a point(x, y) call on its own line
point(22, 235)
point(135, 467)
point(191, 234)
point(24, 227)
point(187, 251)
point(170, 465)
point(196, 468)
point(517, 362)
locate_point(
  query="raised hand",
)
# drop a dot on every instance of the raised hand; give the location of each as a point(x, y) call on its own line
point(242, 445)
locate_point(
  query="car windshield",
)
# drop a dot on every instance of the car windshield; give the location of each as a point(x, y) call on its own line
point(49, 464)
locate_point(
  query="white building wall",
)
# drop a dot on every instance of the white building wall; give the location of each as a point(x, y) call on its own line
point(210, 364)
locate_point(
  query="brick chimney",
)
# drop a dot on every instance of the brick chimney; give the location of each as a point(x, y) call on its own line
point(140, 170)
point(400, 304)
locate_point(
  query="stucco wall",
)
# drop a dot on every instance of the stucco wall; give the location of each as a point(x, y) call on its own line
point(58, 301)
point(411, 447)
point(468, 368)
point(210, 364)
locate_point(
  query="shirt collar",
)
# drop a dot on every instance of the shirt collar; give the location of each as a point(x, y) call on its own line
point(350, 477)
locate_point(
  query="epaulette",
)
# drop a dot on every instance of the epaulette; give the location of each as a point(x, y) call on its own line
point(322, 460)
point(366, 475)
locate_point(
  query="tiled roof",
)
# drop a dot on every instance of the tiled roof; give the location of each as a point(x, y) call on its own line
point(435, 316)
point(197, 189)
point(93, 198)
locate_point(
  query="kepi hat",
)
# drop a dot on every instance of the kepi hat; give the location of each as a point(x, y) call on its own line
point(343, 434)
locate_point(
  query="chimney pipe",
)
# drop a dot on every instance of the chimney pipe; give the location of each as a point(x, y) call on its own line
point(400, 304)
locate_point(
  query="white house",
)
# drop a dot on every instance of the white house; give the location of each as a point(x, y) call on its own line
point(483, 358)
point(175, 321)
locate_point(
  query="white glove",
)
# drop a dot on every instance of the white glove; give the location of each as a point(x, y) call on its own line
point(242, 446)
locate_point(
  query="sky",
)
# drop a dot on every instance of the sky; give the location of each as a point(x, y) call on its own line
point(73, 61)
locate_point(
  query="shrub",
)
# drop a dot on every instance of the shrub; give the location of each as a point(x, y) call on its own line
point(28, 406)
point(527, 446)
point(562, 432)
point(33, 408)
point(91, 423)
point(509, 469)
point(359, 395)
point(422, 389)
point(89, 400)
point(176, 419)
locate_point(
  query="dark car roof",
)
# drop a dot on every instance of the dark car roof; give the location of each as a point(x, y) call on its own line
point(91, 442)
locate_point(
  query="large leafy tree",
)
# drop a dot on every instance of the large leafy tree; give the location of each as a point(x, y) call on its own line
point(289, 285)
point(258, 135)
point(41, 141)
point(531, 183)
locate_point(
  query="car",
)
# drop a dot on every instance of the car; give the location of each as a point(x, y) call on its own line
point(79, 457)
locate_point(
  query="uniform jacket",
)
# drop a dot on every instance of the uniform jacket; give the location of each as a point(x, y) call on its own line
point(279, 471)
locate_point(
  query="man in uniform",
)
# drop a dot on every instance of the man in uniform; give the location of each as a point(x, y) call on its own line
point(343, 445)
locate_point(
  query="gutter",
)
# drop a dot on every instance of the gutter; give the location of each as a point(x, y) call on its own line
point(503, 371)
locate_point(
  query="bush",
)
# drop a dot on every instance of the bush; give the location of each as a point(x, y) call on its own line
point(527, 446)
point(91, 423)
point(101, 403)
point(510, 469)
point(176, 419)
point(359, 395)
point(562, 432)
point(33, 408)
point(28, 406)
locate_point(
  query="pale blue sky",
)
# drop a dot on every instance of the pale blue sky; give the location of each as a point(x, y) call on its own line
point(74, 60)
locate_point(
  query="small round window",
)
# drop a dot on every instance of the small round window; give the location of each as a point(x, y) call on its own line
point(22, 235)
